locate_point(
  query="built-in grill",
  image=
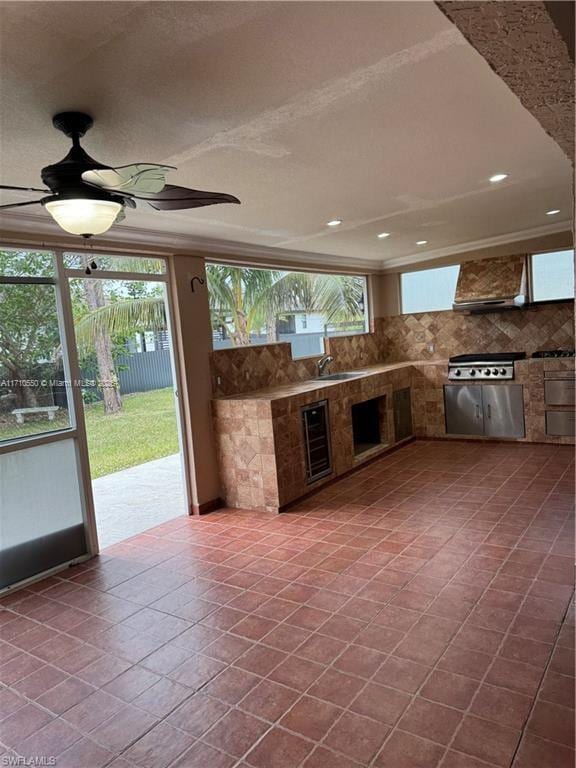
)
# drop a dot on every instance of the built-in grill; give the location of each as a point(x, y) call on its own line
point(499, 365)
point(554, 353)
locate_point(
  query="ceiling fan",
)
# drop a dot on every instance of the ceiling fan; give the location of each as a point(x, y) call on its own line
point(86, 197)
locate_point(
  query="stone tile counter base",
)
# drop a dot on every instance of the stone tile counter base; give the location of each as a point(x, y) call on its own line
point(260, 438)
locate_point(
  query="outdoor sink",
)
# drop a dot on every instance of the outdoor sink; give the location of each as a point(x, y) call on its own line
point(338, 376)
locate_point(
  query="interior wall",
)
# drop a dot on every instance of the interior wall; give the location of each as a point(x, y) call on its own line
point(193, 344)
point(388, 281)
point(439, 335)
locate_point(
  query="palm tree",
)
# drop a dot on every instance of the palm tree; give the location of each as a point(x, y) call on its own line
point(246, 300)
point(96, 324)
point(102, 345)
point(242, 300)
point(121, 318)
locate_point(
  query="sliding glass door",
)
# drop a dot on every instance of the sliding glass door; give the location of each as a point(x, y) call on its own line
point(46, 514)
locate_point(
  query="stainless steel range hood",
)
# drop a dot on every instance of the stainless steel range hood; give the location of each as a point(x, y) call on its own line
point(491, 285)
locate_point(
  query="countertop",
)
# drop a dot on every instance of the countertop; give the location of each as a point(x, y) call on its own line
point(310, 385)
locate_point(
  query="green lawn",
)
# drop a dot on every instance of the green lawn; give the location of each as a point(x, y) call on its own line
point(144, 430)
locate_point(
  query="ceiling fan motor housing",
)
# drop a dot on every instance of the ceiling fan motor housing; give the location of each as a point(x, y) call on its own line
point(64, 179)
point(72, 123)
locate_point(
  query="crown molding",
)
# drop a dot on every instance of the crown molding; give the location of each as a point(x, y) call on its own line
point(476, 245)
point(25, 228)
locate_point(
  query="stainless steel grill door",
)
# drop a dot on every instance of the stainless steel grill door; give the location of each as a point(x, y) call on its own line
point(464, 414)
point(503, 410)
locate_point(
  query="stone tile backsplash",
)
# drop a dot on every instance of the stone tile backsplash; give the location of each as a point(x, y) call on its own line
point(408, 337)
point(423, 336)
point(244, 369)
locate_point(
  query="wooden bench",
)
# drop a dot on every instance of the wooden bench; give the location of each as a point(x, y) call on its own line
point(20, 413)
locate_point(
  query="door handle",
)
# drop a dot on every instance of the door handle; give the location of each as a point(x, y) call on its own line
point(489, 410)
point(477, 411)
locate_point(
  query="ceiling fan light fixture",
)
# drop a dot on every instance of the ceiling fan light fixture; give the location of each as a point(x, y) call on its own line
point(84, 216)
point(87, 198)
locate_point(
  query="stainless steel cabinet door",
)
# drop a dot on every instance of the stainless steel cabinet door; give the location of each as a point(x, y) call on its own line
point(559, 391)
point(503, 410)
point(402, 414)
point(560, 423)
point(464, 415)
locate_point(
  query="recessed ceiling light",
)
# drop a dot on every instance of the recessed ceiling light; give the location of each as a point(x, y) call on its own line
point(421, 242)
point(553, 212)
point(382, 235)
point(334, 223)
point(498, 177)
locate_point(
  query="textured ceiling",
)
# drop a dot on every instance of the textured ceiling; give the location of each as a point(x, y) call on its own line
point(378, 113)
point(533, 56)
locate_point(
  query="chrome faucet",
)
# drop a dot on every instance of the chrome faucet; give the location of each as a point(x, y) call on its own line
point(323, 362)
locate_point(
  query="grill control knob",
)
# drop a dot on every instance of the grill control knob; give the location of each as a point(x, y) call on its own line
point(472, 372)
point(487, 372)
point(457, 372)
point(495, 371)
point(503, 371)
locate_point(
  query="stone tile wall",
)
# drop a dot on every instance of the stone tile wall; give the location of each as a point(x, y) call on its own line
point(244, 369)
point(239, 370)
point(246, 453)
point(399, 338)
point(408, 337)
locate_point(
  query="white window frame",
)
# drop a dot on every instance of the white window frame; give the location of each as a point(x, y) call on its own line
point(401, 292)
point(530, 273)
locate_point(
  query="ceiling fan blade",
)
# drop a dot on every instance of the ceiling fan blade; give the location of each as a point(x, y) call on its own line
point(121, 216)
point(138, 178)
point(173, 198)
point(25, 189)
point(18, 205)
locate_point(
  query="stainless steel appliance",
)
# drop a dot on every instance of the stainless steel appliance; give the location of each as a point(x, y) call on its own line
point(554, 353)
point(561, 423)
point(402, 414)
point(559, 390)
point(483, 366)
point(492, 410)
point(317, 440)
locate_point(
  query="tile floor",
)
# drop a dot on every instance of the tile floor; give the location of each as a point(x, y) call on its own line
point(413, 615)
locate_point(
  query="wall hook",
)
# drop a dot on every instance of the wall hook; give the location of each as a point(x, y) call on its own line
point(200, 280)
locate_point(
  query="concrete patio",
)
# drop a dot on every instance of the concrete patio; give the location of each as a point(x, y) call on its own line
point(133, 500)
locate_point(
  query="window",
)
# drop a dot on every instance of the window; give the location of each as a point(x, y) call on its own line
point(33, 387)
point(136, 264)
point(263, 306)
point(429, 290)
point(552, 276)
